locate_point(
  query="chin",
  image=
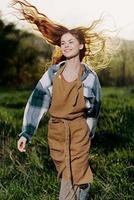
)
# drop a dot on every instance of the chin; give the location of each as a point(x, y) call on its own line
point(70, 55)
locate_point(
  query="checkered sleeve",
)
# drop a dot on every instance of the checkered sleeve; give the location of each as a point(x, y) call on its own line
point(37, 105)
point(94, 104)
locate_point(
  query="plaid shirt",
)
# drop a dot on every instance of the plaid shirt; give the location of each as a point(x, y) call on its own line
point(39, 101)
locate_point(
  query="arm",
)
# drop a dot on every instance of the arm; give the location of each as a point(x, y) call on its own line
point(94, 104)
point(37, 105)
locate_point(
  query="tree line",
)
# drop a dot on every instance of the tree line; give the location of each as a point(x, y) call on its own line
point(120, 71)
point(24, 58)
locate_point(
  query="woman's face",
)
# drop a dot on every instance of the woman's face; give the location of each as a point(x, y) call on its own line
point(70, 46)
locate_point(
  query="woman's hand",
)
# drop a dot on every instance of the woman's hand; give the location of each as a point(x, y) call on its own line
point(22, 144)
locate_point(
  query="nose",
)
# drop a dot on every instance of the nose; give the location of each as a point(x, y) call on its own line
point(66, 45)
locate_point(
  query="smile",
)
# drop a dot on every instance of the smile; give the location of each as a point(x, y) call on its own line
point(67, 50)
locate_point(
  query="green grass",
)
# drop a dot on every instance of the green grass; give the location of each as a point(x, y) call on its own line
point(32, 175)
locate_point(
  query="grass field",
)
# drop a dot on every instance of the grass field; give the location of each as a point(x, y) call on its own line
point(32, 175)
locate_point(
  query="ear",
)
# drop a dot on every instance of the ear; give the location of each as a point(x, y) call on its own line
point(81, 46)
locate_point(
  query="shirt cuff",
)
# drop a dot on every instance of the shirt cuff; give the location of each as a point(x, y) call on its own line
point(25, 135)
point(27, 132)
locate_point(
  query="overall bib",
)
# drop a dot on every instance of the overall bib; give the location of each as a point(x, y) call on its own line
point(68, 136)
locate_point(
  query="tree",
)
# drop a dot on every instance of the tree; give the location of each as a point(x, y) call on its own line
point(20, 54)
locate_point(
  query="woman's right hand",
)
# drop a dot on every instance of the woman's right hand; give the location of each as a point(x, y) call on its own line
point(22, 144)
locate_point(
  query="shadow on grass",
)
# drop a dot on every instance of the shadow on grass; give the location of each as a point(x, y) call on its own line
point(108, 142)
point(13, 105)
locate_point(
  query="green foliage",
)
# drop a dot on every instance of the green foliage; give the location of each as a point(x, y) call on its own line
point(23, 57)
point(121, 69)
point(32, 175)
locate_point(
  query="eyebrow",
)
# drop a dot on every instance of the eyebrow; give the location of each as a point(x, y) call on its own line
point(68, 40)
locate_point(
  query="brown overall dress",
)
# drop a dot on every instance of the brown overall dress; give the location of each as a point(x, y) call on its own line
point(68, 132)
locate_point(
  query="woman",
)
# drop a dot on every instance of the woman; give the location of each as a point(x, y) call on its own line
point(70, 91)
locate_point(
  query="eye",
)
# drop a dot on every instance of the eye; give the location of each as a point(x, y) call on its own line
point(71, 42)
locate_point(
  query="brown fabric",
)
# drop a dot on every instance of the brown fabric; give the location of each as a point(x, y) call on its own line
point(67, 97)
point(68, 132)
point(69, 148)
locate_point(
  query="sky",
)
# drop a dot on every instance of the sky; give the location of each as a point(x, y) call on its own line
point(119, 14)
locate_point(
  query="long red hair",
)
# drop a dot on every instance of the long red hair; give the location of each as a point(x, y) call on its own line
point(95, 51)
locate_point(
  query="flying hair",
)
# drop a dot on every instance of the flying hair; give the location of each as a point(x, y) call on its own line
point(96, 51)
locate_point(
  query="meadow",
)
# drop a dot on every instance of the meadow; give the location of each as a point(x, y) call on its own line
point(32, 175)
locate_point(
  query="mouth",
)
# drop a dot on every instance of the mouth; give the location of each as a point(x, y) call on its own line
point(67, 50)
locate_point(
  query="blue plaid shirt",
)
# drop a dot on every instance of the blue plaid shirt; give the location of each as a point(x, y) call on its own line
point(40, 100)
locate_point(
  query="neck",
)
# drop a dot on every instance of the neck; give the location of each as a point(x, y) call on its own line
point(73, 63)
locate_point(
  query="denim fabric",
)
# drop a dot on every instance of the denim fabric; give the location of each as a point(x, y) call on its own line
point(84, 192)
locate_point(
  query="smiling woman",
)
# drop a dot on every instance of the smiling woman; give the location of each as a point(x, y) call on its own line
point(70, 91)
